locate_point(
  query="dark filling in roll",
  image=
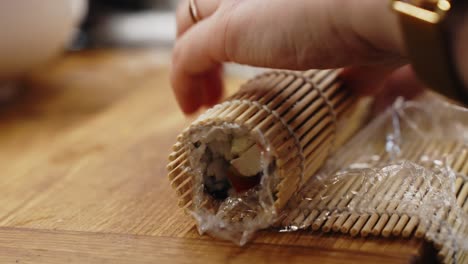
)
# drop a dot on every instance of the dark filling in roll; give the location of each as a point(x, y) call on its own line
point(230, 165)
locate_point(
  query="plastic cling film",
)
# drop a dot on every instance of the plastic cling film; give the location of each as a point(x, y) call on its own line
point(236, 167)
point(405, 174)
point(239, 215)
point(277, 153)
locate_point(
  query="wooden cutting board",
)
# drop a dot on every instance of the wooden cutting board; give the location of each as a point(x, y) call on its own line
point(83, 150)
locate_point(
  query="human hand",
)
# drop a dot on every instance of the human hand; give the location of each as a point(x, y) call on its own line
point(361, 35)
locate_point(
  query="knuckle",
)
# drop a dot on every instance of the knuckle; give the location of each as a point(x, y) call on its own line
point(181, 13)
point(230, 33)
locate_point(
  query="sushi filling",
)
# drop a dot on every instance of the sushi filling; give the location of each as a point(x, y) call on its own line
point(230, 163)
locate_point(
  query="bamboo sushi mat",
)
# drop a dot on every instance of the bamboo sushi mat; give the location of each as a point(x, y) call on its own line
point(323, 209)
point(421, 200)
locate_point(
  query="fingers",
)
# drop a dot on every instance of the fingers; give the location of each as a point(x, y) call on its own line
point(374, 25)
point(196, 75)
point(294, 35)
point(367, 80)
point(212, 89)
point(400, 83)
point(205, 8)
point(386, 84)
point(403, 82)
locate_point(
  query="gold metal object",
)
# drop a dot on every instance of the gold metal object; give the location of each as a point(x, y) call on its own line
point(424, 25)
point(193, 10)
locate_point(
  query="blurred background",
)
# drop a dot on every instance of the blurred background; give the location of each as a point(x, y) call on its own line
point(136, 23)
point(35, 32)
point(128, 23)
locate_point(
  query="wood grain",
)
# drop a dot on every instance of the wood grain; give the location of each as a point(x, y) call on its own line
point(25, 245)
point(83, 152)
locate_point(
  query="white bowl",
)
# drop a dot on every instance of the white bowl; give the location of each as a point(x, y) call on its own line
point(33, 31)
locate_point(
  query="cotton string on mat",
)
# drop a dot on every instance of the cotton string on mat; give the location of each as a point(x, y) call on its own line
point(257, 160)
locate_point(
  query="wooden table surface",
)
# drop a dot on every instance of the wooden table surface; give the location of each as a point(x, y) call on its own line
point(83, 150)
